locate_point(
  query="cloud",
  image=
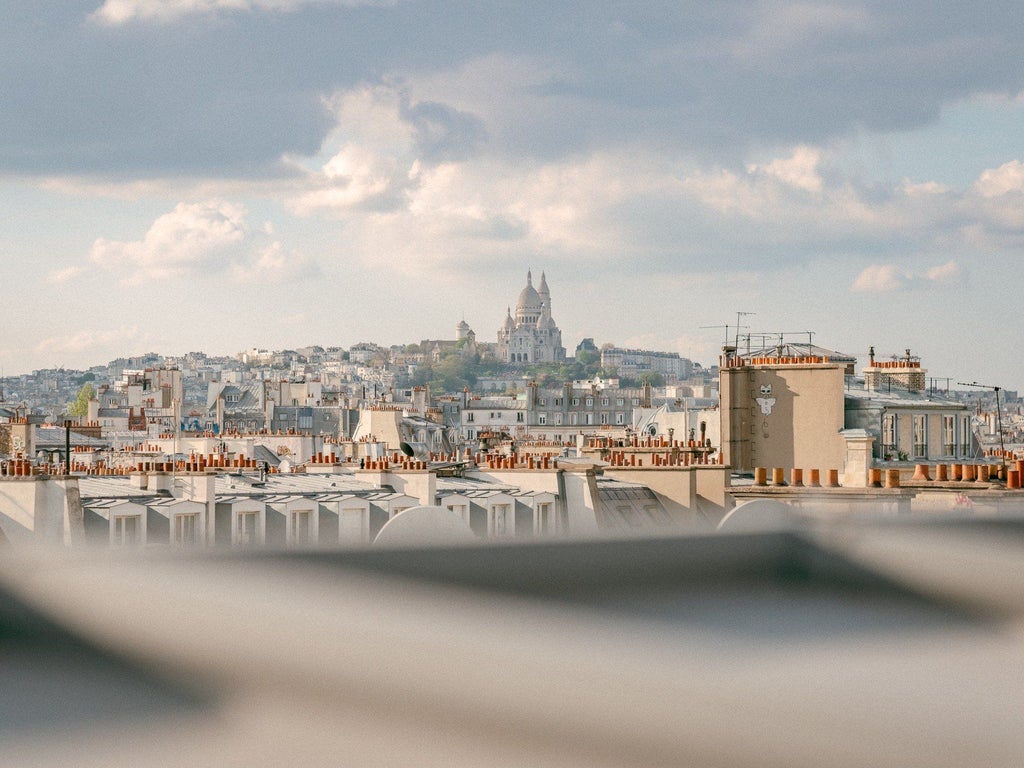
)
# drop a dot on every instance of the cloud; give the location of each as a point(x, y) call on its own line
point(200, 239)
point(881, 278)
point(357, 177)
point(887, 278)
point(442, 132)
point(1007, 178)
point(134, 95)
point(114, 12)
point(944, 273)
point(191, 237)
point(273, 265)
point(781, 210)
point(66, 274)
point(800, 170)
point(89, 339)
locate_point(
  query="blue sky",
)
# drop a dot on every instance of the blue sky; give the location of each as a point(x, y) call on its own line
point(221, 174)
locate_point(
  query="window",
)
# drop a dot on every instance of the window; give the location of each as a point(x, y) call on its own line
point(470, 417)
point(604, 401)
point(462, 510)
point(186, 530)
point(501, 520)
point(948, 436)
point(127, 530)
point(620, 401)
point(636, 401)
point(590, 401)
point(572, 418)
point(604, 418)
point(542, 418)
point(352, 525)
point(965, 436)
point(590, 418)
point(301, 533)
point(520, 416)
point(920, 425)
point(629, 516)
point(575, 401)
point(620, 418)
point(558, 419)
point(542, 401)
point(888, 433)
point(305, 422)
point(246, 529)
point(545, 519)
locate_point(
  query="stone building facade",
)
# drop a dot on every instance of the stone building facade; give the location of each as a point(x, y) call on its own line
point(531, 336)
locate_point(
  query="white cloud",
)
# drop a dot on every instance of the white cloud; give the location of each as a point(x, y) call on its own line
point(994, 182)
point(87, 340)
point(886, 278)
point(800, 170)
point(273, 265)
point(114, 12)
point(206, 239)
point(881, 278)
point(358, 177)
point(65, 275)
point(192, 236)
point(944, 273)
point(923, 189)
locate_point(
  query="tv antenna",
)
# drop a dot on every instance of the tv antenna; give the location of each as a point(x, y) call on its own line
point(713, 327)
point(739, 317)
point(999, 419)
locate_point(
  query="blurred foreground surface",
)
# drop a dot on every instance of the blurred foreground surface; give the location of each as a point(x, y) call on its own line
point(871, 643)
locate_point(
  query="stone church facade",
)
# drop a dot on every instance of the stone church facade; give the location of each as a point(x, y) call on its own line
point(531, 336)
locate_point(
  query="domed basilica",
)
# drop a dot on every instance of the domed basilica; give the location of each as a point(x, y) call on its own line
point(531, 336)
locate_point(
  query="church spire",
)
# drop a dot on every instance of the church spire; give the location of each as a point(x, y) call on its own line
point(529, 277)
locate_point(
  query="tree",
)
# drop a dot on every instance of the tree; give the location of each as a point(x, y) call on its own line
point(80, 407)
point(654, 378)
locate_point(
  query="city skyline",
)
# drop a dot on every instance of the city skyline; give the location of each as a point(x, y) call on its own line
point(204, 174)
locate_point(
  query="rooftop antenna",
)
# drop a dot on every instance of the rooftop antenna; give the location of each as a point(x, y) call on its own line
point(739, 316)
point(712, 327)
point(999, 419)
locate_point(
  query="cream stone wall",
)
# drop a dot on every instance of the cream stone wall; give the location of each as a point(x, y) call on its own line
point(783, 416)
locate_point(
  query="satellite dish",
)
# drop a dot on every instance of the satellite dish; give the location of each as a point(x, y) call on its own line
point(407, 449)
point(652, 430)
point(758, 515)
point(420, 526)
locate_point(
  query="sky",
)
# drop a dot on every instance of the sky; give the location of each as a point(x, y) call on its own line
point(216, 175)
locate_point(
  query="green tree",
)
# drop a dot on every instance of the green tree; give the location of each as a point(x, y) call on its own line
point(654, 378)
point(80, 407)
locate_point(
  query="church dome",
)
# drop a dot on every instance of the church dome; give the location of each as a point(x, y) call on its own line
point(529, 300)
point(529, 304)
point(545, 323)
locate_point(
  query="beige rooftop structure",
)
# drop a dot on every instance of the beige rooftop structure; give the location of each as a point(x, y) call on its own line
point(782, 411)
